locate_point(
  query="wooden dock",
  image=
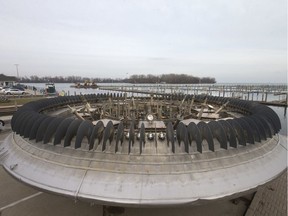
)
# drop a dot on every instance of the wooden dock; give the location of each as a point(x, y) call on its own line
point(274, 95)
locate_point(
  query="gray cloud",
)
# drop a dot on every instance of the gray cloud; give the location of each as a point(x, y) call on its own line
point(233, 41)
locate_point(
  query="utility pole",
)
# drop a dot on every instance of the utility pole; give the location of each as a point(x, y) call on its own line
point(17, 70)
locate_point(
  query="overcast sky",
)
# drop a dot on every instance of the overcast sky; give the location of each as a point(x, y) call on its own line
point(231, 40)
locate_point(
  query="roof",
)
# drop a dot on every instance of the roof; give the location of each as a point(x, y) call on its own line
point(7, 78)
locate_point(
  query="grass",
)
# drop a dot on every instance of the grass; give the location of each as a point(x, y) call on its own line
point(18, 100)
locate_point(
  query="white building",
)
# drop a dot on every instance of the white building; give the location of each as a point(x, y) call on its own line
point(7, 80)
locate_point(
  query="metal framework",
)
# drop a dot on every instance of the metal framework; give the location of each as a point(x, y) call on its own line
point(165, 160)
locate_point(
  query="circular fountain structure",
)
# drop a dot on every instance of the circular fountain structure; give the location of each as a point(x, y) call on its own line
point(158, 150)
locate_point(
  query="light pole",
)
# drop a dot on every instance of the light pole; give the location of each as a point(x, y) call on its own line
point(17, 70)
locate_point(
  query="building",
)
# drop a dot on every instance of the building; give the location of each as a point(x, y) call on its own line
point(7, 80)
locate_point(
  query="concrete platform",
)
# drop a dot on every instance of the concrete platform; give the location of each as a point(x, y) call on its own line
point(19, 199)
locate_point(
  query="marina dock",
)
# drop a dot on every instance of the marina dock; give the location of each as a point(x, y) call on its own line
point(274, 95)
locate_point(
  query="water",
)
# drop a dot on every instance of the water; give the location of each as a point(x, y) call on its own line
point(65, 87)
point(164, 88)
point(281, 111)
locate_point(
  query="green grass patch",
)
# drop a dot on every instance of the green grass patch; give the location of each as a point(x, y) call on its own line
point(18, 100)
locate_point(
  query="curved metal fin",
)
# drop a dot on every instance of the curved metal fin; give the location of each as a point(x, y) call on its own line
point(61, 130)
point(35, 127)
point(247, 130)
point(97, 132)
point(194, 134)
point(260, 126)
point(267, 126)
point(71, 131)
point(14, 118)
point(206, 134)
point(131, 136)
point(230, 133)
point(182, 136)
point(51, 128)
point(170, 136)
point(20, 121)
point(30, 123)
point(43, 128)
point(23, 125)
point(270, 115)
point(108, 134)
point(219, 133)
point(254, 128)
point(142, 137)
point(178, 132)
point(120, 135)
point(239, 131)
point(25, 120)
point(85, 129)
point(185, 139)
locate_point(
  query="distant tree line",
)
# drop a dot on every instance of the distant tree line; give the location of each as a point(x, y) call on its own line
point(164, 78)
point(169, 78)
point(69, 79)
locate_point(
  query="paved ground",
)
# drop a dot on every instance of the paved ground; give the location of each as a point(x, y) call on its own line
point(270, 199)
point(19, 199)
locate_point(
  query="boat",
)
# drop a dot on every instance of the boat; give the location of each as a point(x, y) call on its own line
point(50, 89)
point(86, 84)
